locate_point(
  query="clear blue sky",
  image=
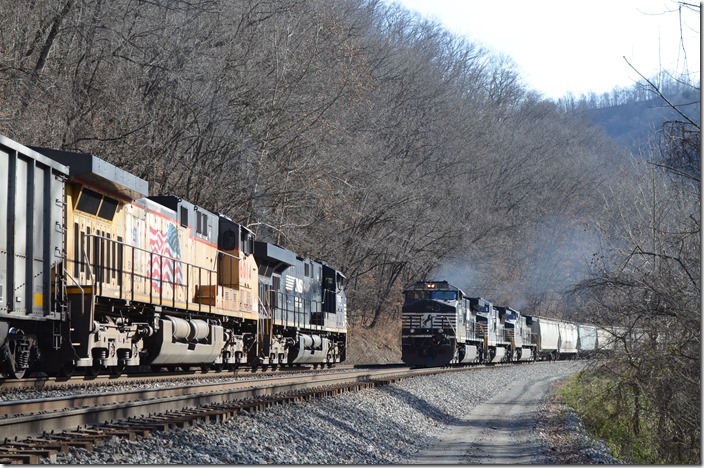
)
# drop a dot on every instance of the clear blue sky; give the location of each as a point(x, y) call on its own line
point(573, 46)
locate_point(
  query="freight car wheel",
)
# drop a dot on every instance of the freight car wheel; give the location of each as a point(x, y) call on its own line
point(16, 374)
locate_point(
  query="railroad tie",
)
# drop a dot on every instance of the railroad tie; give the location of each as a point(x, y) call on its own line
point(67, 440)
point(18, 459)
point(107, 433)
point(39, 445)
point(17, 452)
point(158, 422)
point(79, 434)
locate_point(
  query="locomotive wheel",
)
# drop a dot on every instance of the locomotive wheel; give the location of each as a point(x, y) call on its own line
point(205, 368)
point(118, 369)
point(67, 369)
point(218, 367)
point(95, 369)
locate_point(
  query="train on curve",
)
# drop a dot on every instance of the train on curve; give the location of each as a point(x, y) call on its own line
point(96, 275)
point(442, 326)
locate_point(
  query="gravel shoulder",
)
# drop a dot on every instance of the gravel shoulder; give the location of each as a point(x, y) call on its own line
point(565, 439)
point(393, 424)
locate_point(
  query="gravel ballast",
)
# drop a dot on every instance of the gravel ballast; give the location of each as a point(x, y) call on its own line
point(386, 425)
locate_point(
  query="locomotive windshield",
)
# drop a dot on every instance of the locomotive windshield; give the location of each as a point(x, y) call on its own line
point(443, 295)
point(432, 294)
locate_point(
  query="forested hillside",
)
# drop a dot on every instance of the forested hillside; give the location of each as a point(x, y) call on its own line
point(350, 131)
point(632, 114)
point(357, 133)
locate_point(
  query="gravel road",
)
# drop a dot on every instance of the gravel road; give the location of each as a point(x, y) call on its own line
point(490, 412)
point(500, 430)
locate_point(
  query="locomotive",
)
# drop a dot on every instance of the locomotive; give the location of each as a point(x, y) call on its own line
point(97, 275)
point(442, 326)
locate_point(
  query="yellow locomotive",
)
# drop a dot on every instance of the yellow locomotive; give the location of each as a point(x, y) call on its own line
point(131, 280)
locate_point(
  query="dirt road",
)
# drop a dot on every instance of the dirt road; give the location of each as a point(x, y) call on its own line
point(499, 431)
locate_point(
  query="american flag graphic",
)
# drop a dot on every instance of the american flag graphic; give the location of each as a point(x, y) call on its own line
point(165, 265)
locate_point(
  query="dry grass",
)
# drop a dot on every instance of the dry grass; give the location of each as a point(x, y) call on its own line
point(378, 345)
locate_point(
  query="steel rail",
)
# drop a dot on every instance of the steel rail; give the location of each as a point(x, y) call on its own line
point(33, 417)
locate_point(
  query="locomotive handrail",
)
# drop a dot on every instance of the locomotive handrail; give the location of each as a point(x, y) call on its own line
point(208, 270)
point(83, 293)
point(454, 331)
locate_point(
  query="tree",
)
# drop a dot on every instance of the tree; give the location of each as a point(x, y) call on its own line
point(647, 282)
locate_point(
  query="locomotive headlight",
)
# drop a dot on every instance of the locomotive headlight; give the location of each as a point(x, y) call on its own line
point(412, 330)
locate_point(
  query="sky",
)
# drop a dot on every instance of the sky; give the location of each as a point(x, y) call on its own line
point(563, 46)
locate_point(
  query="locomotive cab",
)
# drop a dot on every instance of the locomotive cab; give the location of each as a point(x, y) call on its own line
point(99, 197)
point(429, 330)
point(518, 335)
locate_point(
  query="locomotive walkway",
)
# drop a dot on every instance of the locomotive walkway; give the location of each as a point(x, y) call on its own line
point(499, 431)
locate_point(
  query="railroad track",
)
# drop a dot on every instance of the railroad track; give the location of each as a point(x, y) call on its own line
point(45, 382)
point(31, 429)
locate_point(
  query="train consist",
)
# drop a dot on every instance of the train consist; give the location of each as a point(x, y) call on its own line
point(442, 326)
point(96, 275)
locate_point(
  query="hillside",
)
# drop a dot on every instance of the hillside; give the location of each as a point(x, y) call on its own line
point(631, 116)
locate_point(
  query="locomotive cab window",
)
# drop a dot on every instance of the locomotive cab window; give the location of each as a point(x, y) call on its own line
point(89, 201)
point(444, 295)
point(93, 203)
point(416, 295)
point(201, 223)
point(247, 242)
point(107, 209)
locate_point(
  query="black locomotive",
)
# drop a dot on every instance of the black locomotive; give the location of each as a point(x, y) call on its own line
point(442, 326)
